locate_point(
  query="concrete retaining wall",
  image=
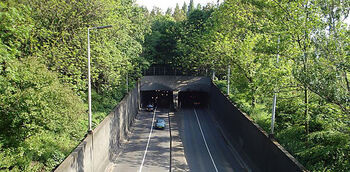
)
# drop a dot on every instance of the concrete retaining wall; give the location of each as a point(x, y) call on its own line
point(248, 137)
point(98, 149)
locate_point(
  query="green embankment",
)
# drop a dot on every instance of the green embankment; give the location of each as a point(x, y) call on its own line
point(43, 73)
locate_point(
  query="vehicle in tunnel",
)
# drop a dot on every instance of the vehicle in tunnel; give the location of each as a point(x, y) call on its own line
point(159, 124)
point(150, 108)
point(157, 98)
point(189, 99)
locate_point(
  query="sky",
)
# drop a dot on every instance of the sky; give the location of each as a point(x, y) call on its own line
point(164, 4)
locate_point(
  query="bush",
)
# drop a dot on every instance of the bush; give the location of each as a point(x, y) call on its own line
point(38, 116)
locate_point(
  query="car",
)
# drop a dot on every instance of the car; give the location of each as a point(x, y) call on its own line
point(150, 108)
point(159, 124)
point(196, 103)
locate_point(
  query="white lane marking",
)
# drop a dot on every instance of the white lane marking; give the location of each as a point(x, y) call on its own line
point(205, 142)
point(149, 138)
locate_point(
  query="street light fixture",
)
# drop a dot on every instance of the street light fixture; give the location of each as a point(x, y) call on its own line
point(89, 75)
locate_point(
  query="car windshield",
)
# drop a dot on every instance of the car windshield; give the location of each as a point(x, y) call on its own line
point(149, 106)
point(160, 121)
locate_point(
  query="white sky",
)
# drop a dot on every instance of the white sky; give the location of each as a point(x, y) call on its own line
point(164, 4)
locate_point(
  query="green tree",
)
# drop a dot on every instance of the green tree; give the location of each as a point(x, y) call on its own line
point(184, 8)
point(160, 45)
point(190, 7)
point(199, 7)
point(178, 14)
point(34, 107)
point(43, 73)
point(310, 75)
point(168, 12)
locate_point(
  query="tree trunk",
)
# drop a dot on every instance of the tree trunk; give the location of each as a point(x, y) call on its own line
point(253, 101)
point(306, 100)
point(347, 81)
point(306, 113)
point(253, 97)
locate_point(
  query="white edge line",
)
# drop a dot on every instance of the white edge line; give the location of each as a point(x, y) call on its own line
point(149, 138)
point(205, 142)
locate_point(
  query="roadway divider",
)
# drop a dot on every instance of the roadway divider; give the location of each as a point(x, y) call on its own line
point(100, 148)
point(246, 136)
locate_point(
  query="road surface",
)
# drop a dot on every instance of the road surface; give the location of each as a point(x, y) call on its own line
point(148, 149)
point(205, 148)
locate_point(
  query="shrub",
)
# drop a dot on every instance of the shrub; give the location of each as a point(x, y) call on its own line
point(38, 116)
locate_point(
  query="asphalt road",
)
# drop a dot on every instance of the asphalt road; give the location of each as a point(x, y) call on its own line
point(148, 149)
point(205, 146)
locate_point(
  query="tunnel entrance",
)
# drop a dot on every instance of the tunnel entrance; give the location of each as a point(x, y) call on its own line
point(158, 98)
point(193, 99)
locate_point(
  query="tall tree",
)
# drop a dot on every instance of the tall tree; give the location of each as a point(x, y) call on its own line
point(178, 13)
point(184, 8)
point(190, 7)
point(156, 11)
point(168, 12)
point(199, 7)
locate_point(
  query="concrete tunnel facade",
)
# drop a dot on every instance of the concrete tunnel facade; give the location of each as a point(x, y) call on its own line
point(180, 88)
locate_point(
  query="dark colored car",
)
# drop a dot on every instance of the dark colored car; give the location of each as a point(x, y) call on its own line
point(150, 108)
point(159, 124)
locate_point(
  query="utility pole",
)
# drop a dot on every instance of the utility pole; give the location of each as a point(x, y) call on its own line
point(228, 80)
point(275, 94)
point(213, 76)
point(89, 83)
point(127, 81)
point(89, 74)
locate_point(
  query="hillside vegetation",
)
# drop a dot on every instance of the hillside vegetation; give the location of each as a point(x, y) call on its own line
point(43, 73)
point(296, 49)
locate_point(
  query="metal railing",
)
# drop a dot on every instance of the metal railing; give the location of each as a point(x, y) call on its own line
point(156, 70)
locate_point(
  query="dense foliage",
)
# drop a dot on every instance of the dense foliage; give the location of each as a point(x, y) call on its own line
point(43, 73)
point(296, 49)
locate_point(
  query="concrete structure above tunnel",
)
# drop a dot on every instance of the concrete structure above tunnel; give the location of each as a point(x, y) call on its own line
point(175, 83)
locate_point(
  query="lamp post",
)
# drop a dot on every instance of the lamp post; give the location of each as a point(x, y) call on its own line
point(228, 80)
point(275, 94)
point(89, 74)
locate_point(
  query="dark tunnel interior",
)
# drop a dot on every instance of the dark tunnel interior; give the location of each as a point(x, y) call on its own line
point(189, 99)
point(158, 98)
